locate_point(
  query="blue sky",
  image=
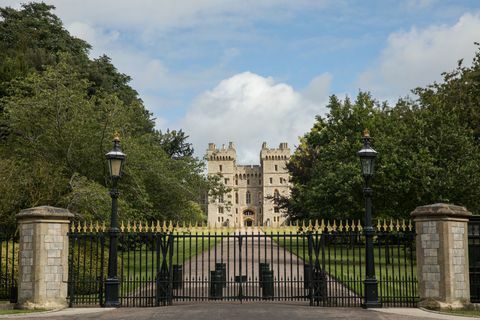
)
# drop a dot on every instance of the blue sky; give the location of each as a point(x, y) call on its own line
point(260, 70)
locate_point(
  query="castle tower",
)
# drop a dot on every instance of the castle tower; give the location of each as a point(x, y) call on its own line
point(276, 181)
point(246, 204)
point(221, 162)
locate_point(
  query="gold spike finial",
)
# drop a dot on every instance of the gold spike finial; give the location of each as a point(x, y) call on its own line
point(122, 227)
point(329, 228)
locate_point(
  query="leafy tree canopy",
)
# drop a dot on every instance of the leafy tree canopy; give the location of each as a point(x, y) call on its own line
point(58, 111)
point(428, 149)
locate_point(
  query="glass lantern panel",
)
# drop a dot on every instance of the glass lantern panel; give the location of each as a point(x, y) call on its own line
point(115, 167)
point(367, 166)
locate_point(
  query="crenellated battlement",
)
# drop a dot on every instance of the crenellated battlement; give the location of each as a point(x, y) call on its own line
point(280, 153)
point(221, 154)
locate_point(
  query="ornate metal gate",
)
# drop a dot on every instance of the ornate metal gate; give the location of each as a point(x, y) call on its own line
point(318, 264)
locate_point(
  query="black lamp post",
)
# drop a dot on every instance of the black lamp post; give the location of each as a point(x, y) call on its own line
point(367, 160)
point(116, 159)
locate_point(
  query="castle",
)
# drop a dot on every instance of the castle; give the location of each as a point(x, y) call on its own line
point(249, 203)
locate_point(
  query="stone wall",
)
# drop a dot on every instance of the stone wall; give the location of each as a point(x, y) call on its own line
point(43, 261)
point(442, 255)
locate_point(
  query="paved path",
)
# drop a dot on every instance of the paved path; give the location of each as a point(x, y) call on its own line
point(288, 270)
point(229, 311)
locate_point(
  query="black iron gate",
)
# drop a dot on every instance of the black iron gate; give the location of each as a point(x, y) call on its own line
point(318, 264)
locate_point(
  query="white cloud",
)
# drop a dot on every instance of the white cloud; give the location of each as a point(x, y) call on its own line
point(418, 57)
point(249, 109)
point(318, 88)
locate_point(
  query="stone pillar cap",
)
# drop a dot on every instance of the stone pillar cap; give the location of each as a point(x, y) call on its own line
point(441, 210)
point(45, 212)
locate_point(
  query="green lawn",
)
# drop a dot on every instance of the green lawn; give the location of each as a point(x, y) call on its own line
point(463, 312)
point(346, 263)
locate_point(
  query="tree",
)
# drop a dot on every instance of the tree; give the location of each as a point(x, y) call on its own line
point(428, 148)
point(58, 111)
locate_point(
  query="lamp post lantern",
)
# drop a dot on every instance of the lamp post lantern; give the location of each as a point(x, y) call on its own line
point(367, 157)
point(116, 159)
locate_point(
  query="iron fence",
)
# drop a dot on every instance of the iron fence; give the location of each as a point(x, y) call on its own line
point(8, 266)
point(316, 263)
point(474, 258)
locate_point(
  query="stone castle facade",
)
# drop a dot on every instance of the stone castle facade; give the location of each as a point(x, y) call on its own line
point(249, 203)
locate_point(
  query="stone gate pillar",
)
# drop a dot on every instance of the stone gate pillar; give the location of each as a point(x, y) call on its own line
point(43, 257)
point(442, 255)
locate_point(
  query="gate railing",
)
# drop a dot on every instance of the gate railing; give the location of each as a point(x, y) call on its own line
point(474, 258)
point(8, 266)
point(321, 264)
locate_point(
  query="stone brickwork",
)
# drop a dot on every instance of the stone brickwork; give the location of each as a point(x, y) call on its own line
point(43, 263)
point(253, 187)
point(442, 255)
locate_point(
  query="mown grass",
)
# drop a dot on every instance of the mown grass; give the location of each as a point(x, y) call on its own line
point(463, 312)
point(345, 262)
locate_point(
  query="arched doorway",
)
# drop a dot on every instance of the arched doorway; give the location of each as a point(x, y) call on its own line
point(248, 218)
point(248, 222)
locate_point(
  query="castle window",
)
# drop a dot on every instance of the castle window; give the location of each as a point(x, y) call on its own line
point(248, 181)
point(248, 197)
point(220, 198)
point(276, 209)
point(271, 180)
point(276, 195)
point(220, 168)
point(236, 197)
point(236, 182)
point(260, 197)
point(281, 180)
point(218, 219)
point(227, 180)
point(276, 167)
point(220, 210)
point(236, 210)
point(259, 181)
